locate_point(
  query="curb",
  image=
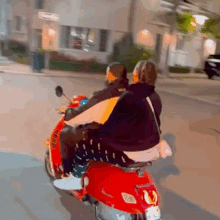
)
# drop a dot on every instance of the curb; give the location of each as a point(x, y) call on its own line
point(189, 97)
point(83, 75)
point(86, 75)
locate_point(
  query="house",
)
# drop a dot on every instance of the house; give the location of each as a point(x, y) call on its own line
point(5, 20)
point(154, 33)
point(88, 29)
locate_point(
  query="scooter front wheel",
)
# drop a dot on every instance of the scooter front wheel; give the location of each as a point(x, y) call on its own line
point(104, 212)
point(47, 165)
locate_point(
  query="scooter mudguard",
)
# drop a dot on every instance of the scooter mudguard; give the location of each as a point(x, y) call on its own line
point(125, 191)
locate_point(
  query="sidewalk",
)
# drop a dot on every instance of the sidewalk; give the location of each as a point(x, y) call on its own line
point(192, 85)
point(9, 66)
point(16, 68)
point(186, 75)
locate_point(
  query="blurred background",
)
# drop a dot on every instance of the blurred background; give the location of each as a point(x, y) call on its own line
point(88, 34)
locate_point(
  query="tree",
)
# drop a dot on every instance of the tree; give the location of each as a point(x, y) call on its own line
point(186, 24)
point(211, 28)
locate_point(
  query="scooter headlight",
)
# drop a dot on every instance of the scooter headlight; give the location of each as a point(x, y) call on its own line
point(128, 198)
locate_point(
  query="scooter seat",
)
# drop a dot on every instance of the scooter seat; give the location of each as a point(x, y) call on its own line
point(139, 164)
point(136, 166)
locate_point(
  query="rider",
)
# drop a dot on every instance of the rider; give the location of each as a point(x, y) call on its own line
point(131, 127)
point(96, 110)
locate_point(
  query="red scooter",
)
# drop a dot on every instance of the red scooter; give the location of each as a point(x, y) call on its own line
point(116, 193)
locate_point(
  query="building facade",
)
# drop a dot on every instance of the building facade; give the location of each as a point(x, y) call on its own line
point(88, 29)
point(5, 19)
point(154, 33)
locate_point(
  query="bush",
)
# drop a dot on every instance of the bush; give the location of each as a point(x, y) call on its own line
point(197, 70)
point(69, 66)
point(18, 47)
point(56, 56)
point(179, 69)
point(22, 60)
point(131, 57)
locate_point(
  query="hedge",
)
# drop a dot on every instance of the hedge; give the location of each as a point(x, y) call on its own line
point(198, 70)
point(60, 65)
point(173, 69)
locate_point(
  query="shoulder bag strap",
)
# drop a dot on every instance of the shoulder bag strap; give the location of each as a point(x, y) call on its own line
point(152, 108)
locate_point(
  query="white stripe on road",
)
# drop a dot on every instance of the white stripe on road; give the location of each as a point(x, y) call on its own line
point(189, 97)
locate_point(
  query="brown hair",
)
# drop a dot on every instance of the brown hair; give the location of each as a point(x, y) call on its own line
point(138, 67)
point(148, 73)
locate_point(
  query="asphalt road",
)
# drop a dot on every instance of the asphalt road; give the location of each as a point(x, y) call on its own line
point(189, 182)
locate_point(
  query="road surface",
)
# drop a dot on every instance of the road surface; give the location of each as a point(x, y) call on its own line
point(189, 182)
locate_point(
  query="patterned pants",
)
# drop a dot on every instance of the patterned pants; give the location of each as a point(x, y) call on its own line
point(97, 151)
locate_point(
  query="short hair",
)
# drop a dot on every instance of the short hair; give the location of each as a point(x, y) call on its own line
point(118, 70)
point(148, 72)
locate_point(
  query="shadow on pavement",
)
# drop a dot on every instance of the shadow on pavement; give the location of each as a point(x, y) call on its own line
point(174, 207)
point(26, 192)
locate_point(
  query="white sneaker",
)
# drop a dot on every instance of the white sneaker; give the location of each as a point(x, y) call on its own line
point(69, 183)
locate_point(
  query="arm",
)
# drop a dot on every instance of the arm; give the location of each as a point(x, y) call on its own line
point(73, 112)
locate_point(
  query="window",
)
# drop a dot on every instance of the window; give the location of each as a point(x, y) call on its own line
point(103, 40)
point(8, 26)
point(67, 37)
point(90, 43)
point(17, 23)
point(64, 36)
point(76, 37)
point(38, 38)
point(91, 36)
point(180, 42)
point(39, 4)
point(82, 38)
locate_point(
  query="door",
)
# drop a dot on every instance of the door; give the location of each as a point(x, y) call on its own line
point(158, 48)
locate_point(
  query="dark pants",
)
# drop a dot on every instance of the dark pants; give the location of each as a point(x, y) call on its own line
point(67, 147)
point(96, 150)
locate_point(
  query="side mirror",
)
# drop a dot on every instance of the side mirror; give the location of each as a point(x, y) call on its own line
point(59, 91)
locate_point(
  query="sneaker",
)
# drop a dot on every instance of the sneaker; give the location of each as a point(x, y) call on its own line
point(70, 183)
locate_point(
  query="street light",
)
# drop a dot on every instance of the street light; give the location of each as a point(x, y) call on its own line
point(51, 32)
point(145, 32)
point(210, 43)
point(200, 19)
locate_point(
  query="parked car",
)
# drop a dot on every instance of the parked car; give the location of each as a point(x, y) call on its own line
point(212, 65)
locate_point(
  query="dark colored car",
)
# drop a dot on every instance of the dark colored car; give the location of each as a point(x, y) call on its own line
point(212, 66)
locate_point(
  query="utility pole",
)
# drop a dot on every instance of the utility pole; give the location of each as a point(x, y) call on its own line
point(29, 30)
point(171, 32)
point(131, 18)
point(2, 34)
point(48, 53)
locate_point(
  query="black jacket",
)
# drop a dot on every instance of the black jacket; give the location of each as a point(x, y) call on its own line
point(99, 106)
point(131, 126)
